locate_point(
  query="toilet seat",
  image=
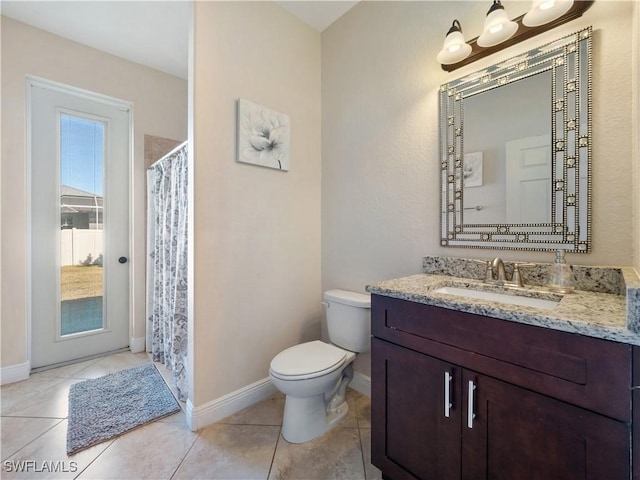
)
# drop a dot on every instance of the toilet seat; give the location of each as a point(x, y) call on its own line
point(307, 360)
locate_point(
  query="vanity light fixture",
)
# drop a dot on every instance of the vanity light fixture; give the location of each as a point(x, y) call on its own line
point(545, 11)
point(497, 26)
point(500, 32)
point(455, 49)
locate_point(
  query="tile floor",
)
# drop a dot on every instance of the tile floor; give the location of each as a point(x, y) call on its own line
point(247, 445)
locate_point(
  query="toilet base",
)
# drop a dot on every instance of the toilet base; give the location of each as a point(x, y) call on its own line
point(307, 418)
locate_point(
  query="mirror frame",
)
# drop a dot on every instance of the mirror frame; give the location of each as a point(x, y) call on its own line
point(570, 61)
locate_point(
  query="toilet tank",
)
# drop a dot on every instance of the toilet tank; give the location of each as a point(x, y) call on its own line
point(349, 319)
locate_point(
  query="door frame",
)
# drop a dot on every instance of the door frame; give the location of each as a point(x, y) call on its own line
point(33, 80)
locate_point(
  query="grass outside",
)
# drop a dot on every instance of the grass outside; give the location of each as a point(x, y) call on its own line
point(81, 282)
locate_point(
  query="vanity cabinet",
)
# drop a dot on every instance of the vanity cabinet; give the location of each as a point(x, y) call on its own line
point(458, 395)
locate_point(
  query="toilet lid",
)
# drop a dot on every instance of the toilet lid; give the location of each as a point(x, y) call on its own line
point(308, 359)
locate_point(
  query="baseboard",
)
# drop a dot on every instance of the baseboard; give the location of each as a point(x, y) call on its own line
point(15, 373)
point(361, 383)
point(214, 411)
point(137, 345)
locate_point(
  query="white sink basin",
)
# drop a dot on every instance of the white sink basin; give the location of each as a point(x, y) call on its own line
point(499, 297)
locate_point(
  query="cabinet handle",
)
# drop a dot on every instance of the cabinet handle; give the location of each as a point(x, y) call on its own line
point(470, 405)
point(447, 394)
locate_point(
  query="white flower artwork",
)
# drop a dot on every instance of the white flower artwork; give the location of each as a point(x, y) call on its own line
point(472, 171)
point(263, 136)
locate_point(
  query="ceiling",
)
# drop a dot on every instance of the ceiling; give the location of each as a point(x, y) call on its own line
point(318, 14)
point(152, 33)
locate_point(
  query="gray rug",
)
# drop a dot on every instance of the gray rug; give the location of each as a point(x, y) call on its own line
point(108, 406)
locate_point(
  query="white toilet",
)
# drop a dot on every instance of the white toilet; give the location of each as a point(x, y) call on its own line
point(314, 375)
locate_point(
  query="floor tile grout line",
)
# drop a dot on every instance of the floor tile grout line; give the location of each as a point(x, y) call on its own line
point(364, 463)
point(34, 439)
point(273, 457)
point(59, 380)
point(95, 458)
point(185, 455)
point(31, 416)
point(8, 415)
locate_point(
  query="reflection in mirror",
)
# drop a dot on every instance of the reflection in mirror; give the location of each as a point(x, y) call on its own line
point(515, 143)
point(518, 191)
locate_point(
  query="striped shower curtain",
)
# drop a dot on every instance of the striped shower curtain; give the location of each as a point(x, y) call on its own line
point(167, 264)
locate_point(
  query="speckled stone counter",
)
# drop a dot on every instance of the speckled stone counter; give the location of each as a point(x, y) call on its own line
point(610, 316)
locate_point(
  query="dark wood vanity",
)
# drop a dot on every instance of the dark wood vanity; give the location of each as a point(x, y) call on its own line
point(458, 395)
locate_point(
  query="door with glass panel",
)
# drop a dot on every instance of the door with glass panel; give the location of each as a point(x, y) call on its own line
point(79, 224)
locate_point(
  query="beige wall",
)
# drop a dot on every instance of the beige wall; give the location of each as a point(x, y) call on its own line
point(160, 108)
point(257, 230)
point(636, 131)
point(380, 147)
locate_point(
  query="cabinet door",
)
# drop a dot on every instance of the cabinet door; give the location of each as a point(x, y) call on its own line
point(520, 434)
point(414, 434)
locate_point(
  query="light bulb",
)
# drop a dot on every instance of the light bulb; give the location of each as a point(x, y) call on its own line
point(497, 26)
point(454, 49)
point(545, 11)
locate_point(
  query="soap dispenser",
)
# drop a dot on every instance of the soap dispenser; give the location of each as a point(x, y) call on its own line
point(561, 278)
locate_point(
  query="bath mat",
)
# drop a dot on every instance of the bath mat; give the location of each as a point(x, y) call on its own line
point(105, 407)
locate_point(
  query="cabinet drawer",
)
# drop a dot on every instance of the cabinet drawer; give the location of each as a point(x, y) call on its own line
point(585, 371)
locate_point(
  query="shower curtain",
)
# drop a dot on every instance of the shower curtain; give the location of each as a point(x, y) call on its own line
point(167, 264)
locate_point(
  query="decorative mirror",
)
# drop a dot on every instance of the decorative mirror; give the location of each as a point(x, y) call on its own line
point(515, 152)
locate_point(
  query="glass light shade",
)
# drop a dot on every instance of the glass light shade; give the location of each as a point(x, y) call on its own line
point(545, 11)
point(497, 28)
point(454, 50)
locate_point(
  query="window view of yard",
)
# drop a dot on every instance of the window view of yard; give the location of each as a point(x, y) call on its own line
point(81, 290)
point(81, 281)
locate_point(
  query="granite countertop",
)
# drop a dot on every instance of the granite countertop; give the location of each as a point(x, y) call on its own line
point(594, 314)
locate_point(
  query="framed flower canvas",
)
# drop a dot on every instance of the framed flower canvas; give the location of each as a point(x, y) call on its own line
point(263, 136)
point(472, 170)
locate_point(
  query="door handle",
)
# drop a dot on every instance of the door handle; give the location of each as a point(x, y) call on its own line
point(447, 394)
point(470, 404)
point(122, 260)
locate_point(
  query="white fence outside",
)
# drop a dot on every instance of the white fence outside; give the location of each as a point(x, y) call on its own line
point(81, 246)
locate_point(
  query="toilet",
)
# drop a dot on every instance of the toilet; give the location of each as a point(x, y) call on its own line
point(314, 375)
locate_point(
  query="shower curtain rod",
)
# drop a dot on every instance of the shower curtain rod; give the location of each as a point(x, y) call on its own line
point(166, 156)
